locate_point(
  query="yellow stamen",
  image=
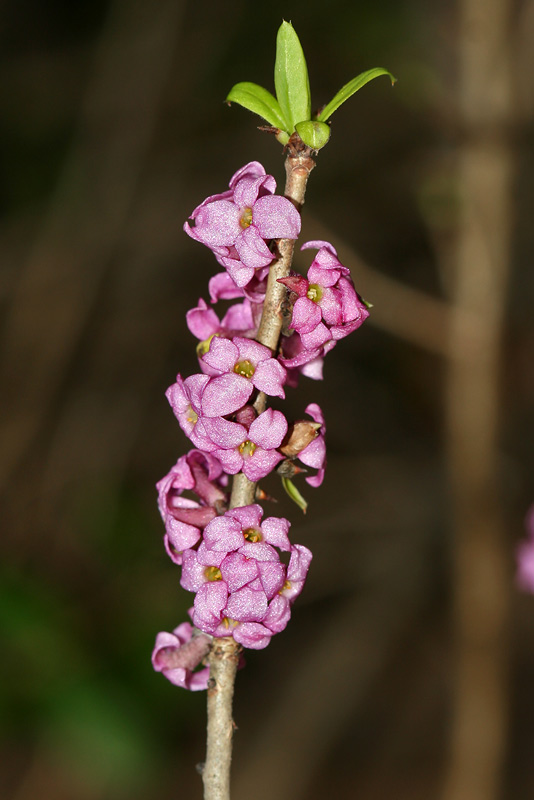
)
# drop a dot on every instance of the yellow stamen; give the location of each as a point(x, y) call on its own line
point(252, 535)
point(192, 416)
point(247, 448)
point(246, 218)
point(213, 574)
point(314, 292)
point(244, 368)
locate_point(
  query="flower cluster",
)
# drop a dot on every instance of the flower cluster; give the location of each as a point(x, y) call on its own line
point(241, 566)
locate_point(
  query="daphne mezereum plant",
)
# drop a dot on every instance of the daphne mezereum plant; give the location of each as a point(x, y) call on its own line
point(238, 561)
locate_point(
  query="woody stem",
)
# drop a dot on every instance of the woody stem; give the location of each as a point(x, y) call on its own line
point(224, 655)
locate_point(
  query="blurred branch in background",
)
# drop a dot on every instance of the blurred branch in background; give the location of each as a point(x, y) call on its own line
point(56, 290)
point(481, 270)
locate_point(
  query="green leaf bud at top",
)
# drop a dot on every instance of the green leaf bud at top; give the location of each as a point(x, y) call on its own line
point(351, 88)
point(258, 100)
point(314, 134)
point(291, 77)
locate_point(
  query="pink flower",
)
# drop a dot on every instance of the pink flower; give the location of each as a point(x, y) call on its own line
point(525, 556)
point(297, 359)
point(249, 595)
point(326, 306)
point(204, 323)
point(184, 397)
point(177, 654)
point(241, 526)
point(241, 365)
point(185, 518)
point(314, 455)
point(255, 454)
point(237, 224)
point(297, 571)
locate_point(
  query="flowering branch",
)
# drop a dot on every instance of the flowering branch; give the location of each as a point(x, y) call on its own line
point(230, 554)
point(224, 655)
point(299, 165)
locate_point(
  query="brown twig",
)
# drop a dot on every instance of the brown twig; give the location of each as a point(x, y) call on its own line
point(224, 655)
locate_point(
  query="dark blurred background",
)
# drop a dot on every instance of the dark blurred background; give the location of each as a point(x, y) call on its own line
point(406, 671)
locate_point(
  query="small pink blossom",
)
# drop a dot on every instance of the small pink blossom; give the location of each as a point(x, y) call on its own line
point(185, 518)
point(297, 571)
point(326, 306)
point(525, 556)
point(184, 397)
point(255, 454)
point(204, 323)
point(243, 525)
point(240, 366)
point(237, 224)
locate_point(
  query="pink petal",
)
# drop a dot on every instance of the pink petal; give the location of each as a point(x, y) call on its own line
point(223, 433)
point(232, 461)
point(251, 350)
point(225, 394)
point(239, 317)
point(313, 369)
point(222, 287)
point(247, 516)
point(275, 530)
point(210, 600)
point(193, 574)
point(181, 535)
point(268, 429)
point(317, 338)
point(270, 377)
point(260, 551)
point(223, 534)
point(209, 558)
point(246, 192)
point(261, 463)
point(217, 223)
point(246, 605)
point(306, 315)
point(278, 614)
point(239, 273)
point(272, 576)
point(319, 244)
point(251, 248)
point(251, 170)
point(202, 321)
point(237, 571)
point(276, 217)
point(221, 355)
point(252, 635)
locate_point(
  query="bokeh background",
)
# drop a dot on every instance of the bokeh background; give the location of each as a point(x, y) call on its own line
point(406, 671)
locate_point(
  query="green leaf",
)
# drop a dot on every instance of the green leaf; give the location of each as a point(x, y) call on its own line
point(294, 494)
point(291, 77)
point(314, 134)
point(258, 100)
point(351, 88)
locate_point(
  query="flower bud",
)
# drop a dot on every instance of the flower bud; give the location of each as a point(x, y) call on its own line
point(299, 436)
